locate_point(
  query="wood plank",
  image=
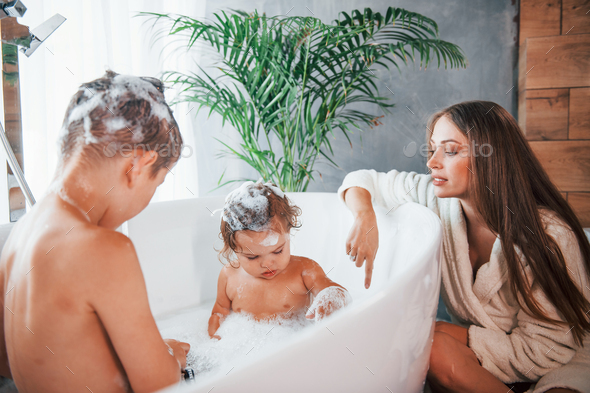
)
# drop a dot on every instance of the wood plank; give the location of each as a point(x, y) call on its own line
point(574, 14)
point(567, 163)
point(539, 19)
point(522, 70)
point(522, 110)
point(11, 29)
point(580, 202)
point(546, 114)
point(555, 62)
point(579, 118)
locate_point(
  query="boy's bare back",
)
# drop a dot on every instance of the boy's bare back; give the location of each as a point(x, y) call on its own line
point(66, 281)
point(76, 314)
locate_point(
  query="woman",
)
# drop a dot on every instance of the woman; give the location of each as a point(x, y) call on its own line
point(516, 261)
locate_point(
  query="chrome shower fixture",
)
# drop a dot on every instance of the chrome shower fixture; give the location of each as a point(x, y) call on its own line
point(13, 33)
point(27, 40)
point(41, 33)
point(14, 8)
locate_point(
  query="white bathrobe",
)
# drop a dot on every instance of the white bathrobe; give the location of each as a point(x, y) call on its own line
point(508, 342)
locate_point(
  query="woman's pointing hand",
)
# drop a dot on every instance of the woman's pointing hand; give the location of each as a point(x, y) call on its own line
point(363, 239)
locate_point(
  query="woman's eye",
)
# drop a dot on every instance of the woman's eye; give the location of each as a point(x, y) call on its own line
point(451, 153)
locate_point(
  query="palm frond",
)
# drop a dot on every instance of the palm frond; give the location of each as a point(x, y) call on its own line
point(299, 80)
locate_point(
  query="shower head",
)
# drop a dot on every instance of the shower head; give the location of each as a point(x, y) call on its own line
point(16, 34)
point(13, 8)
point(40, 33)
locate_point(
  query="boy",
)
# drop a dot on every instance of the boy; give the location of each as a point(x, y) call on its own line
point(76, 314)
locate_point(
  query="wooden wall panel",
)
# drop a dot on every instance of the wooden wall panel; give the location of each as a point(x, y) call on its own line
point(555, 62)
point(539, 18)
point(554, 93)
point(522, 69)
point(574, 14)
point(580, 202)
point(546, 114)
point(579, 118)
point(566, 162)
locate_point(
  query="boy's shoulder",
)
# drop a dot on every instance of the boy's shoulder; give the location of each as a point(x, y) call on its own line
point(97, 253)
point(68, 240)
point(108, 266)
point(101, 242)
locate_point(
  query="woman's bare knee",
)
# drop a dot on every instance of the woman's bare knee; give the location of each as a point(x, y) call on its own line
point(441, 370)
point(448, 361)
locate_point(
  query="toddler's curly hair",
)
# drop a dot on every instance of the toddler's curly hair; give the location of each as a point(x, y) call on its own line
point(249, 219)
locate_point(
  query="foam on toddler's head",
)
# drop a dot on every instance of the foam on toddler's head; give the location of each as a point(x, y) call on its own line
point(247, 207)
point(252, 207)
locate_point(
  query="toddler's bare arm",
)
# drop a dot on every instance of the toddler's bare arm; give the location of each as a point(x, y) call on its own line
point(314, 277)
point(328, 295)
point(222, 305)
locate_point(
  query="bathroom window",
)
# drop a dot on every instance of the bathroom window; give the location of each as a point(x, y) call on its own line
point(96, 36)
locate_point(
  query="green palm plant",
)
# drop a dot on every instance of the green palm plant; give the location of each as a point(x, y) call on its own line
point(299, 80)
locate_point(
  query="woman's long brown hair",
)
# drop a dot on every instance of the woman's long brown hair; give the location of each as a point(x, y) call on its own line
point(508, 188)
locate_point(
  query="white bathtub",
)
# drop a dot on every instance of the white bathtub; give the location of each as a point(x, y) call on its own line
point(381, 343)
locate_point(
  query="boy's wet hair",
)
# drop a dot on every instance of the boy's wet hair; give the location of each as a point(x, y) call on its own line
point(244, 217)
point(115, 111)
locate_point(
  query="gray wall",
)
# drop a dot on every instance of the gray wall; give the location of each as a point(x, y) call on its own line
point(487, 32)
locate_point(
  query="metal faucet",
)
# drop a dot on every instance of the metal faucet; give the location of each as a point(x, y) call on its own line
point(12, 8)
point(28, 41)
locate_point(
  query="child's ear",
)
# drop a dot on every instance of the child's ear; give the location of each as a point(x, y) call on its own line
point(142, 162)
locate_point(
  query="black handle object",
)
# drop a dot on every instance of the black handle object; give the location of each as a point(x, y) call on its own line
point(188, 374)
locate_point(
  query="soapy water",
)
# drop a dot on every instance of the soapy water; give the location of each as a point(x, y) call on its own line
point(243, 339)
point(329, 299)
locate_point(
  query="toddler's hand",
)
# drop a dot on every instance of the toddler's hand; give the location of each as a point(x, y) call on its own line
point(327, 301)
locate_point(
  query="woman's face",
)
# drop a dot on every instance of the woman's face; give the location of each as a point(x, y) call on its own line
point(449, 161)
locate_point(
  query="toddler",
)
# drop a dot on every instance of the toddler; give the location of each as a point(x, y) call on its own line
point(262, 278)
